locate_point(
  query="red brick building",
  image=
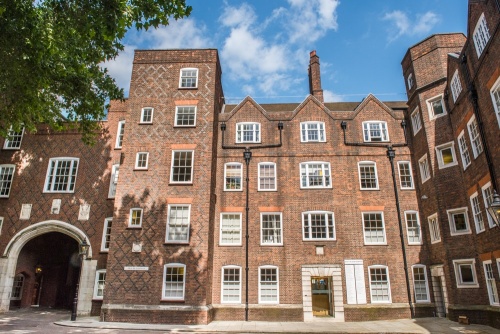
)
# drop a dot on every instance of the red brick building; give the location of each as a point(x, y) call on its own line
point(196, 210)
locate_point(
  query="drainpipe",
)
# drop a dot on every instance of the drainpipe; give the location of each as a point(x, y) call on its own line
point(247, 155)
point(391, 154)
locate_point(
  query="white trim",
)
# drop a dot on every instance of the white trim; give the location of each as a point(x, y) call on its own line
point(369, 243)
point(410, 82)
point(481, 35)
point(439, 153)
point(428, 299)
point(120, 129)
point(113, 180)
point(429, 102)
point(304, 131)
point(384, 131)
point(177, 116)
point(180, 77)
point(137, 160)
point(368, 164)
point(222, 285)
point(491, 223)
point(307, 176)
point(458, 273)
point(96, 284)
point(419, 227)
point(188, 224)
point(277, 285)
point(172, 167)
point(475, 196)
point(491, 287)
point(332, 224)
point(451, 221)
point(1, 224)
point(388, 284)
point(256, 132)
point(108, 224)
point(262, 243)
point(7, 141)
point(275, 176)
point(130, 218)
point(496, 99)
point(221, 243)
point(464, 150)
point(416, 120)
point(456, 86)
point(423, 171)
point(476, 149)
point(2, 180)
point(238, 164)
point(68, 185)
point(411, 175)
point(435, 234)
point(142, 121)
point(164, 287)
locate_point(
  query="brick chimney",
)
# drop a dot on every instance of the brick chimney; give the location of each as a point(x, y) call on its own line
point(315, 77)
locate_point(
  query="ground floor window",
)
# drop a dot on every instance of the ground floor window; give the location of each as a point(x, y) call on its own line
point(231, 284)
point(268, 285)
point(490, 283)
point(100, 280)
point(380, 290)
point(420, 284)
point(174, 279)
point(17, 287)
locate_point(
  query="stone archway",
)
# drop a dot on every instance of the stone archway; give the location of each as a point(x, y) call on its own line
point(10, 256)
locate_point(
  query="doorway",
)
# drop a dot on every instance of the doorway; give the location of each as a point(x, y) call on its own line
point(321, 296)
point(439, 289)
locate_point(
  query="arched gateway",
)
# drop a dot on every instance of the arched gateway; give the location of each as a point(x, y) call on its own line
point(11, 254)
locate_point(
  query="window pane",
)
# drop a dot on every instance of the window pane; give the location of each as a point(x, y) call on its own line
point(182, 166)
point(271, 229)
point(374, 228)
point(379, 285)
point(174, 282)
point(185, 116)
point(178, 223)
point(231, 229)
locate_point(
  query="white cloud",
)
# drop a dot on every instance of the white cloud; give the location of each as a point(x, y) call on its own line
point(405, 26)
point(121, 67)
point(330, 96)
point(238, 16)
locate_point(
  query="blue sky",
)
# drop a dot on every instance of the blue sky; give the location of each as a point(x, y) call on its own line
point(264, 45)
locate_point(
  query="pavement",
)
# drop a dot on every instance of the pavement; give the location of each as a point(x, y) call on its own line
point(417, 326)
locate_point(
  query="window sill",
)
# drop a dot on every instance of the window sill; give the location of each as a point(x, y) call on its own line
point(314, 188)
point(381, 244)
point(117, 148)
point(233, 190)
point(322, 240)
point(448, 165)
point(12, 149)
point(468, 286)
point(369, 189)
point(174, 301)
point(188, 88)
point(271, 245)
point(180, 184)
point(415, 244)
point(133, 227)
point(103, 251)
point(140, 169)
point(407, 189)
point(173, 243)
point(144, 123)
point(97, 299)
point(454, 234)
point(230, 245)
point(184, 126)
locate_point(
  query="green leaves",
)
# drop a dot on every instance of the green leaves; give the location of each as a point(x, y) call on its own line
point(51, 55)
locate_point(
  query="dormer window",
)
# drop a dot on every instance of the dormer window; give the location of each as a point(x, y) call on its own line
point(248, 133)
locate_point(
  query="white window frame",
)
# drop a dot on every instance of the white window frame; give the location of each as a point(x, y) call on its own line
point(191, 167)
point(120, 132)
point(439, 152)
point(11, 144)
point(381, 213)
point(388, 285)
point(325, 170)
point(1, 224)
point(426, 282)
point(130, 218)
point(416, 120)
point(164, 285)
point(238, 284)
point(477, 214)
point(113, 180)
point(277, 285)
point(464, 150)
point(256, 132)
point(181, 76)
point(143, 114)
point(70, 186)
point(329, 224)
point(458, 274)
point(408, 164)
point(430, 107)
point(23, 282)
point(410, 81)
point(368, 164)
point(137, 157)
point(222, 229)
point(384, 132)
point(456, 86)
point(495, 98)
point(484, 189)
point(6, 184)
point(261, 177)
point(418, 228)
point(106, 234)
point(434, 229)
point(491, 285)
point(227, 186)
point(182, 225)
point(280, 229)
point(98, 286)
point(481, 35)
point(304, 132)
point(177, 116)
point(475, 137)
point(453, 227)
point(425, 168)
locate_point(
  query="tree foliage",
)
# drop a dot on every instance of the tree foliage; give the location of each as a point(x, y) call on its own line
point(51, 55)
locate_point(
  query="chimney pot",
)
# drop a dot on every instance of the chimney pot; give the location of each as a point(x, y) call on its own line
point(315, 77)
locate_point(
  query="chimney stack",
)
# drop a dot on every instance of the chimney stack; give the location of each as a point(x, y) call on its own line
point(315, 77)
